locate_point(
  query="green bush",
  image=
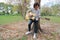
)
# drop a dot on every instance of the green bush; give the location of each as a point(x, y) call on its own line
point(1, 13)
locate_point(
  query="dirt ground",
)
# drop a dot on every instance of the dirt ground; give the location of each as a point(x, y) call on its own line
point(16, 31)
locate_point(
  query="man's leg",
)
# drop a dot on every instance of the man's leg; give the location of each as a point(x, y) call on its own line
point(29, 27)
point(35, 28)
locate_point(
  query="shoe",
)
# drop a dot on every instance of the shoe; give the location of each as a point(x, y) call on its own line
point(27, 32)
point(35, 36)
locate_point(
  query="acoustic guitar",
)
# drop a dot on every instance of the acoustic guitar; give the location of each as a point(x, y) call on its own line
point(30, 15)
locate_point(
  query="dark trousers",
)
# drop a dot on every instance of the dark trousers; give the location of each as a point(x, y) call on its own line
point(35, 25)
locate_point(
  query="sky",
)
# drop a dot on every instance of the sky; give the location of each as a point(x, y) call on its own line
point(42, 1)
point(2, 0)
point(49, 1)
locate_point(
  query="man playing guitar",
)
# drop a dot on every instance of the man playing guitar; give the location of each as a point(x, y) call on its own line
point(33, 16)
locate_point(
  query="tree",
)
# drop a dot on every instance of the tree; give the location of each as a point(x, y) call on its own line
point(22, 5)
point(55, 9)
point(46, 11)
point(38, 1)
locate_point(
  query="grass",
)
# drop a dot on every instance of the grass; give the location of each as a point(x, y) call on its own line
point(9, 19)
point(5, 19)
point(54, 19)
point(24, 38)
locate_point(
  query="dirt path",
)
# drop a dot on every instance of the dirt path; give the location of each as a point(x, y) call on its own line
point(16, 31)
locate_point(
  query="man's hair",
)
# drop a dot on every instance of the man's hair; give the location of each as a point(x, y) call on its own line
point(36, 4)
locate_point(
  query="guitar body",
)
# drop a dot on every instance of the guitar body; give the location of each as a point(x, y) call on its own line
point(30, 15)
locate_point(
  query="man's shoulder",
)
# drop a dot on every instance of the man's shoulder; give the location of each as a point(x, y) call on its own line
point(39, 10)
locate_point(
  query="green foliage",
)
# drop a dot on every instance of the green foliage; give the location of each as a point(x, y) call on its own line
point(46, 11)
point(1, 4)
point(50, 11)
point(1, 13)
point(15, 8)
point(56, 9)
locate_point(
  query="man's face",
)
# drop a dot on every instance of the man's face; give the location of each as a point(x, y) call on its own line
point(36, 7)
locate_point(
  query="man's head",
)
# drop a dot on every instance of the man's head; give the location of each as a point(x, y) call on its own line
point(36, 5)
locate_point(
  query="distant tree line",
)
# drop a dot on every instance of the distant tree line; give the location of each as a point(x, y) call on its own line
point(21, 8)
point(54, 10)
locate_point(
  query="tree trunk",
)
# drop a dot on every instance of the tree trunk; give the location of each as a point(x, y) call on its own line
point(39, 27)
point(38, 1)
point(24, 7)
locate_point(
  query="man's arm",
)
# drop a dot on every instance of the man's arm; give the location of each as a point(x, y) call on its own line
point(30, 10)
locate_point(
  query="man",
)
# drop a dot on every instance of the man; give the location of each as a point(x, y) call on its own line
point(35, 10)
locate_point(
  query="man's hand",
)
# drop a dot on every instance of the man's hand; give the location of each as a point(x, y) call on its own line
point(37, 19)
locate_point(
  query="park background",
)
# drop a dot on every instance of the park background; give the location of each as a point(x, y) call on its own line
point(12, 19)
